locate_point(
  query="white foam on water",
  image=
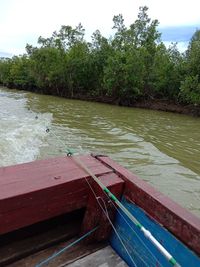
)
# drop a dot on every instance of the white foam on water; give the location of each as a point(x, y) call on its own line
point(22, 132)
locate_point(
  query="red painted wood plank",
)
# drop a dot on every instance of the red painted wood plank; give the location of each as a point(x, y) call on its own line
point(42, 196)
point(25, 216)
point(15, 180)
point(94, 215)
point(39, 190)
point(42, 209)
point(171, 215)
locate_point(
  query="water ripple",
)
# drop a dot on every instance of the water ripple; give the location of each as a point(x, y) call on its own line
point(162, 148)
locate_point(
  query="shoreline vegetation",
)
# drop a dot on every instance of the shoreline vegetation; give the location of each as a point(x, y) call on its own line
point(132, 68)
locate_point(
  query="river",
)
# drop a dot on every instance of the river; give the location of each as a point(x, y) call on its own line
point(162, 148)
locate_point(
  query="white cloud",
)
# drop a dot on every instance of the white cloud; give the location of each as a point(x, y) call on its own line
point(175, 12)
point(182, 46)
point(23, 21)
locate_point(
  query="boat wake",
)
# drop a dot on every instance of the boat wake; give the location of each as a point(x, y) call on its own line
point(22, 132)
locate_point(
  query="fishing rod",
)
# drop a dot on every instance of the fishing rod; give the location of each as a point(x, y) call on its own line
point(146, 232)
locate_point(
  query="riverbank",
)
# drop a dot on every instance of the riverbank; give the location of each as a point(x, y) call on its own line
point(133, 67)
point(169, 106)
point(153, 104)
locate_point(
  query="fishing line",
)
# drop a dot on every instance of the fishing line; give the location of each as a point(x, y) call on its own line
point(68, 151)
point(107, 216)
point(118, 210)
point(146, 232)
point(118, 235)
point(134, 251)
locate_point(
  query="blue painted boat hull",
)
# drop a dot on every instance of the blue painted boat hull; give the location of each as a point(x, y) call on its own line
point(142, 251)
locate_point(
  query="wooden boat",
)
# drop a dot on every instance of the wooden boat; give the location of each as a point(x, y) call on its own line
point(46, 206)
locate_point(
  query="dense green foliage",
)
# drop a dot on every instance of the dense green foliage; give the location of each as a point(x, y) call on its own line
point(132, 65)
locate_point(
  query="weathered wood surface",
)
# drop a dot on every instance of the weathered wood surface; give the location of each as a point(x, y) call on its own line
point(94, 215)
point(96, 254)
point(29, 240)
point(72, 255)
point(38, 175)
point(40, 190)
point(105, 257)
point(183, 224)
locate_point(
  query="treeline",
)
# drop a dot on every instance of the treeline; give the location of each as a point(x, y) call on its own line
point(132, 65)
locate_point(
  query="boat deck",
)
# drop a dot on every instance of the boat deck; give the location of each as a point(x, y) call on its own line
point(36, 192)
point(77, 257)
point(105, 257)
point(29, 246)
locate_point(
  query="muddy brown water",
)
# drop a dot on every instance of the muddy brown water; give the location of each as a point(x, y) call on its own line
point(162, 148)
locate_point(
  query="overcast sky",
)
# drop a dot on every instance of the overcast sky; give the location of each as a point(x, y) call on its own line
point(23, 21)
